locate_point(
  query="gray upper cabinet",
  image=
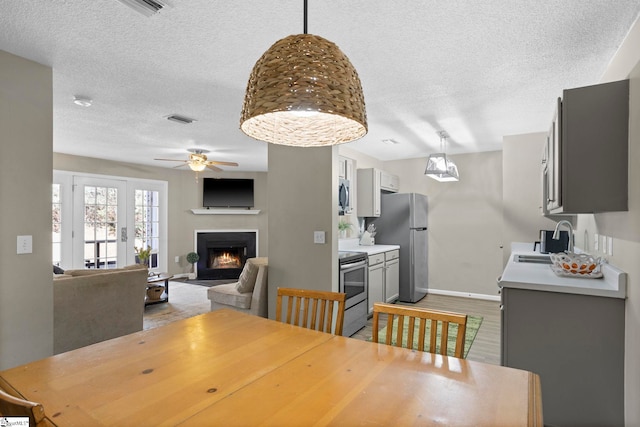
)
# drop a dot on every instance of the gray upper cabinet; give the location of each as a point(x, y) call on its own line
point(585, 162)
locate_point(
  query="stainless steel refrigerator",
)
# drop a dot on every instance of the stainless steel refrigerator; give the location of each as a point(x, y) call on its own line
point(403, 221)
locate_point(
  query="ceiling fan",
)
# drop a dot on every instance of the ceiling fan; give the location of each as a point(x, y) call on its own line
point(198, 161)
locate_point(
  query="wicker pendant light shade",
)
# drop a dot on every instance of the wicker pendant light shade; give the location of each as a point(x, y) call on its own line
point(304, 91)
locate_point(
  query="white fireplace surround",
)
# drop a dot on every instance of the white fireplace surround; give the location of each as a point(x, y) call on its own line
point(195, 240)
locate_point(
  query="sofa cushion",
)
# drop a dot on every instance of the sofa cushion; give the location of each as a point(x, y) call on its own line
point(229, 295)
point(247, 279)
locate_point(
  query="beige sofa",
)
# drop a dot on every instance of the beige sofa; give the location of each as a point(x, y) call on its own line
point(248, 294)
point(95, 305)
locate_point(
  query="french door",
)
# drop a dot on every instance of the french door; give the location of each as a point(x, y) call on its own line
point(99, 222)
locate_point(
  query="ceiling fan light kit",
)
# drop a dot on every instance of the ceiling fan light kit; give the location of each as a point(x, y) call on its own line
point(439, 166)
point(198, 161)
point(304, 92)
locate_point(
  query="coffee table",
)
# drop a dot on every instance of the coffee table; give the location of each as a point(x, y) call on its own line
point(160, 279)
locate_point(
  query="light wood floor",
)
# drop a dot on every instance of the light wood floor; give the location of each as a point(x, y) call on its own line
point(187, 300)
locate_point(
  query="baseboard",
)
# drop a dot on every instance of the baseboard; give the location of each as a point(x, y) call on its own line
point(465, 295)
point(181, 276)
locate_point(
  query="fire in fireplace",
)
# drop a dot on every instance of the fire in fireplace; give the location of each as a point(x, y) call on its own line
point(225, 258)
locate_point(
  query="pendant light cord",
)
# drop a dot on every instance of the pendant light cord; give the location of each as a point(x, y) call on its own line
point(305, 16)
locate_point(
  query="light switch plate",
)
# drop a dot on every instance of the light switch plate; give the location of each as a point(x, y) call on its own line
point(610, 245)
point(25, 245)
point(318, 237)
point(604, 244)
point(596, 241)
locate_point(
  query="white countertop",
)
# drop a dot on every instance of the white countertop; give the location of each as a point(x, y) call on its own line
point(525, 275)
point(354, 245)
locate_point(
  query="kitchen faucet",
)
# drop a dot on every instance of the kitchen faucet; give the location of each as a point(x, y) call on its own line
point(556, 233)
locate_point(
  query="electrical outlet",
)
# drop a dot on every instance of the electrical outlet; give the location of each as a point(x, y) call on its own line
point(318, 237)
point(178, 259)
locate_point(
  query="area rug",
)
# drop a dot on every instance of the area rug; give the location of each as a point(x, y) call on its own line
point(473, 324)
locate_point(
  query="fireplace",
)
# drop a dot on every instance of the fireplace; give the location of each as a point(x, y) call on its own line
point(223, 253)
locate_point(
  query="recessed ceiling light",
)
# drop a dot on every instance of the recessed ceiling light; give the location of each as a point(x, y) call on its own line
point(390, 141)
point(82, 101)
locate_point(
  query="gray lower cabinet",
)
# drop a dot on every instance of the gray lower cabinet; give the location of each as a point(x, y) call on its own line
point(576, 344)
point(384, 278)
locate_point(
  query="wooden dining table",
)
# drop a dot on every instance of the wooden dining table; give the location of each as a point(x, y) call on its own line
point(233, 369)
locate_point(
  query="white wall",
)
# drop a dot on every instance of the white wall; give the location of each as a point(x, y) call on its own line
point(26, 129)
point(522, 190)
point(465, 222)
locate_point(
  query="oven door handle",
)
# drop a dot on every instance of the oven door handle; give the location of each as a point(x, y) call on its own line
point(353, 265)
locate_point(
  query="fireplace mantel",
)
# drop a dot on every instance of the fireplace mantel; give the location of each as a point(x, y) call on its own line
point(225, 211)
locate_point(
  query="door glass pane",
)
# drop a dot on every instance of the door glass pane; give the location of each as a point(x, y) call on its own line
point(147, 229)
point(100, 227)
point(56, 224)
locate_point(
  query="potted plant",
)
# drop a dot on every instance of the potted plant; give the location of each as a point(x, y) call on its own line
point(192, 258)
point(143, 255)
point(344, 227)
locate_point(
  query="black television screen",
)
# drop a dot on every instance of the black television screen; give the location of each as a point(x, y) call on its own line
point(227, 193)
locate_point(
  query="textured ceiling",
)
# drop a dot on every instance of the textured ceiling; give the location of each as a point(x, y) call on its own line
point(478, 70)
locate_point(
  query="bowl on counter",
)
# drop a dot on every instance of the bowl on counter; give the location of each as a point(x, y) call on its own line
point(576, 265)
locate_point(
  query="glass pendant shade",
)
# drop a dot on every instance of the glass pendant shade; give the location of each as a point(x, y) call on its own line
point(197, 166)
point(304, 91)
point(442, 169)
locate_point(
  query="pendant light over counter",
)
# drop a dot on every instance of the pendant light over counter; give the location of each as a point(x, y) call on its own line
point(304, 92)
point(439, 167)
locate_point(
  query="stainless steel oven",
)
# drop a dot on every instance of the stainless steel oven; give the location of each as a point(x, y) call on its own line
point(354, 281)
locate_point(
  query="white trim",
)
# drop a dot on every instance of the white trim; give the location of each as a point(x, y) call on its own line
point(225, 211)
point(465, 295)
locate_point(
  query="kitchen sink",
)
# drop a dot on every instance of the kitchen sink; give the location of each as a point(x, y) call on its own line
point(537, 259)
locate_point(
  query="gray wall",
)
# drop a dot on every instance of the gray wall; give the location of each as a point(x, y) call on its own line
point(624, 227)
point(26, 294)
point(302, 199)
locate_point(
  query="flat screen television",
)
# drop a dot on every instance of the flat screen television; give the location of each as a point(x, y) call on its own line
point(227, 193)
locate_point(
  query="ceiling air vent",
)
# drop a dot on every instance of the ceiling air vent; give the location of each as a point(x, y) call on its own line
point(146, 7)
point(180, 119)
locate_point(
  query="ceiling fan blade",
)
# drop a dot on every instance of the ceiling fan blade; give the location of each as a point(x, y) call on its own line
point(213, 162)
point(213, 168)
point(179, 166)
point(173, 160)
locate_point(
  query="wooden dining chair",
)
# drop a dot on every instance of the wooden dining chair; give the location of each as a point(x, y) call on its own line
point(312, 309)
point(15, 406)
point(424, 318)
